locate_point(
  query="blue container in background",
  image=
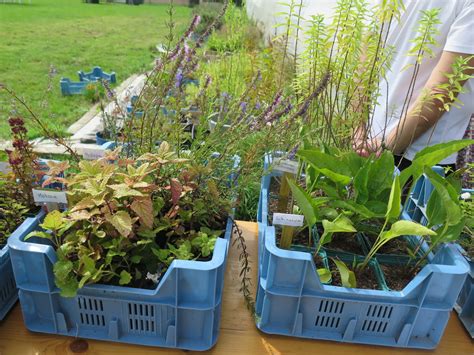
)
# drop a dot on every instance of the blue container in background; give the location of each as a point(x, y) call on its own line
point(182, 312)
point(95, 74)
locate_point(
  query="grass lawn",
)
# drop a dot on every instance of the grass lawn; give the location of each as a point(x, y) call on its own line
point(72, 36)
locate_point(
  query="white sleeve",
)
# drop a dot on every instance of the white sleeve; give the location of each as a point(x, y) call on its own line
point(460, 36)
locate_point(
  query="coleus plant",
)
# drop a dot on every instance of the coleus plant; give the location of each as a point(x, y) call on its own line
point(129, 219)
point(348, 193)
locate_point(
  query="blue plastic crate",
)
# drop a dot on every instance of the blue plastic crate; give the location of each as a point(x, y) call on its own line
point(182, 312)
point(8, 290)
point(292, 301)
point(69, 87)
point(415, 209)
point(95, 74)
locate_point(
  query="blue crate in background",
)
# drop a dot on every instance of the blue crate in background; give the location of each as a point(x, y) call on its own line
point(8, 290)
point(182, 312)
point(69, 87)
point(95, 74)
point(415, 209)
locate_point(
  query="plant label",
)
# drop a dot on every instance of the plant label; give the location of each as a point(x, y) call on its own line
point(286, 219)
point(4, 167)
point(47, 196)
point(286, 166)
point(93, 153)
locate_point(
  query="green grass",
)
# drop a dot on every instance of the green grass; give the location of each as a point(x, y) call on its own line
point(72, 36)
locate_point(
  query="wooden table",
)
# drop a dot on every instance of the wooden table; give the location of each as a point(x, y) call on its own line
point(238, 332)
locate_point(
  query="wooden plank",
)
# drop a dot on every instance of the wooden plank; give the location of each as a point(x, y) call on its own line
point(238, 332)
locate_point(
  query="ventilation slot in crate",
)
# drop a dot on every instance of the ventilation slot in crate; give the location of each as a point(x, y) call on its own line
point(91, 311)
point(6, 290)
point(328, 314)
point(141, 318)
point(377, 318)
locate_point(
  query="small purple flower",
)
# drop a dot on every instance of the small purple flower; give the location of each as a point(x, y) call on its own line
point(258, 105)
point(243, 106)
point(292, 153)
point(259, 75)
point(179, 78)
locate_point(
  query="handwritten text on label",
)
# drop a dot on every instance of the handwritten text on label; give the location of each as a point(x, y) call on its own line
point(285, 219)
point(286, 166)
point(93, 153)
point(45, 196)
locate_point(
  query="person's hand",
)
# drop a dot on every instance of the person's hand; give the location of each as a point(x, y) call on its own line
point(367, 146)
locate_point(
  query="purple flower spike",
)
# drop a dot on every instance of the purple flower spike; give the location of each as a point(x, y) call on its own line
point(243, 106)
point(179, 78)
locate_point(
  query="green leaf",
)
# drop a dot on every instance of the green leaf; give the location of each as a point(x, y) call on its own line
point(122, 222)
point(341, 224)
point(123, 190)
point(68, 286)
point(348, 278)
point(63, 269)
point(143, 207)
point(430, 156)
point(53, 221)
point(381, 175)
point(403, 227)
point(328, 165)
point(39, 234)
point(361, 182)
point(395, 200)
point(135, 259)
point(125, 277)
point(324, 275)
point(448, 197)
point(304, 202)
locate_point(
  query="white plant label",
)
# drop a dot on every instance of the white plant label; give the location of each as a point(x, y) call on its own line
point(286, 219)
point(93, 153)
point(286, 166)
point(4, 167)
point(47, 196)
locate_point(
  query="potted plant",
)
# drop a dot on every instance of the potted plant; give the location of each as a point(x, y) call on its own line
point(139, 254)
point(351, 208)
point(422, 205)
point(17, 206)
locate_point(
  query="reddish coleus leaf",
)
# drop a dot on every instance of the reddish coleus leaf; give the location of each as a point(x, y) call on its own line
point(143, 207)
point(176, 190)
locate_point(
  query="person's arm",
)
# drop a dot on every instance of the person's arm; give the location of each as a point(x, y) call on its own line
point(424, 114)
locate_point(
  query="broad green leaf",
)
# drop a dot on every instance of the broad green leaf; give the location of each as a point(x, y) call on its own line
point(451, 234)
point(135, 259)
point(395, 200)
point(361, 182)
point(354, 207)
point(448, 197)
point(62, 269)
point(435, 209)
point(125, 277)
point(430, 156)
point(348, 278)
point(123, 190)
point(143, 207)
point(89, 265)
point(403, 227)
point(304, 202)
point(381, 175)
point(341, 224)
point(328, 165)
point(39, 234)
point(324, 275)
point(122, 222)
point(67, 286)
point(53, 220)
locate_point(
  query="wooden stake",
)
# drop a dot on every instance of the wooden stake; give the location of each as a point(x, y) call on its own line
point(283, 198)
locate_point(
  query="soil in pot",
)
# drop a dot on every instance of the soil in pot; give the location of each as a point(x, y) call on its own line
point(365, 278)
point(397, 246)
point(398, 276)
point(345, 242)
